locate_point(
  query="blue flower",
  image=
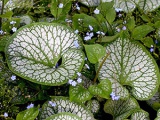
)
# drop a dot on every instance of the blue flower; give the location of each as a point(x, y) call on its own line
point(79, 74)
point(76, 31)
point(70, 81)
point(114, 97)
point(1, 32)
point(79, 80)
point(13, 77)
point(96, 11)
point(86, 38)
point(118, 9)
point(13, 22)
point(151, 48)
point(124, 28)
point(76, 44)
point(68, 21)
point(30, 106)
point(5, 114)
point(77, 7)
point(60, 5)
point(90, 27)
point(14, 29)
point(100, 33)
point(74, 83)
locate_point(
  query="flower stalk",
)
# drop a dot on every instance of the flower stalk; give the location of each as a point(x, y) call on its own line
point(94, 81)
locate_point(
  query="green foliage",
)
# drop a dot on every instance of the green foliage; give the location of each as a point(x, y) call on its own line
point(103, 89)
point(7, 15)
point(131, 23)
point(108, 12)
point(38, 60)
point(107, 39)
point(82, 22)
point(94, 52)
point(79, 94)
point(141, 31)
point(60, 9)
point(29, 114)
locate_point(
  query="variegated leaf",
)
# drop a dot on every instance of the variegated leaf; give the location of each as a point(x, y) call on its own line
point(121, 109)
point(79, 94)
point(130, 67)
point(64, 116)
point(93, 105)
point(60, 104)
point(45, 53)
point(92, 3)
point(140, 115)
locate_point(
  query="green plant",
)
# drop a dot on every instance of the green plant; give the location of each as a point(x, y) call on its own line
point(93, 58)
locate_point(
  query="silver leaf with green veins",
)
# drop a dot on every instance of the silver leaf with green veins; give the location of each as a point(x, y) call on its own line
point(140, 115)
point(35, 50)
point(121, 109)
point(64, 116)
point(130, 64)
point(93, 105)
point(63, 104)
point(127, 5)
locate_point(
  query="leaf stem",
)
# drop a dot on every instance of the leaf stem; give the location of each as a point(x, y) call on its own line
point(94, 81)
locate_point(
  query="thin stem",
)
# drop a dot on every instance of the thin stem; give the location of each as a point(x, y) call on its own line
point(94, 81)
point(1, 14)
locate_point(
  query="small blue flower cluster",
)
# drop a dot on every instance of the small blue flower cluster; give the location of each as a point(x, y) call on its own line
point(14, 29)
point(114, 97)
point(30, 106)
point(79, 80)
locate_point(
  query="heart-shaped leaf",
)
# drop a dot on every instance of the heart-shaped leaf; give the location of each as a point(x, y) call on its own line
point(64, 116)
point(121, 109)
point(45, 53)
point(103, 89)
point(79, 94)
point(29, 114)
point(94, 52)
point(130, 66)
point(140, 115)
point(60, 104)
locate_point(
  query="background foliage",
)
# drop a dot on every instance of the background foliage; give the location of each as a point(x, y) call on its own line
point(119, 40)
